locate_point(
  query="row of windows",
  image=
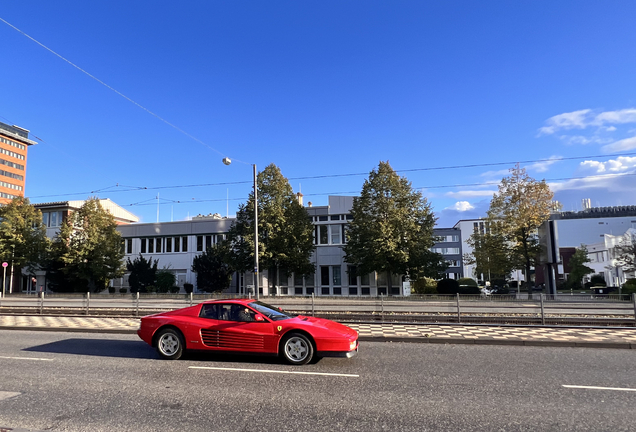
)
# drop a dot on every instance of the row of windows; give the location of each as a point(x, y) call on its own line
point(12, 164)
point(206, 241)
point(10, 186)
point(52, 219)
point(13, 143)
point(12, 154)
point(11, 175)
point(447, 239)
point(330, 234)
point(446, 251)
point(160, 245)
point(332, 217)
point(8, 196)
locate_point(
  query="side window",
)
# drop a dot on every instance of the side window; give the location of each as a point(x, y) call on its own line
point(209, 311)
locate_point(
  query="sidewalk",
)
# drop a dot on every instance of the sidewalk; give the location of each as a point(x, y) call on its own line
point(596, 337)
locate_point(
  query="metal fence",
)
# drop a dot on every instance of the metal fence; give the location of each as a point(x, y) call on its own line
point(540, 309)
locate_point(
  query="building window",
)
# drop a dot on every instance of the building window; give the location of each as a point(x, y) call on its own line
point(184, 244)
point(158, 244)
point(143, 246)
point(323, 218)
point(129, 246)
point(169, 244)
point(337, 276)
point(199, 243)
point(208, 242)
point(323, 234)
point(151, 245)
point(335, 233)
point(177, 241)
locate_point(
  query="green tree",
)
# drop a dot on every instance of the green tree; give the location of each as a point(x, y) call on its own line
point(578, 269)
point(143, 273)
point(490, 255)
point(165, 280)
point(23, 241)
point(285, 232)
point(517, 210)
point(213, 271)
point(87, 251)
point(392, 229)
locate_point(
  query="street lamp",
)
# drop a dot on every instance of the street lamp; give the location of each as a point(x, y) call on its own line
point(228, 161)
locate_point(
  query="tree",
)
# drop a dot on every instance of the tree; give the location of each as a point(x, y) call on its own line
point(491, 255)
point(165, 280)
point(516, 211)
point(626, 252)
point(392, 229)
point(143, 273)
point(578, 269)
point(23, 241)
point(213, 272)
point(284, 228)
point(87, 251)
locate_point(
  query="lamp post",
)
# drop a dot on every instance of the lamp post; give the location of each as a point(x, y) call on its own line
point(228, 161)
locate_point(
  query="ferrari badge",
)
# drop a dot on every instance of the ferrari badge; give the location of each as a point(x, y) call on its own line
point(279, 328)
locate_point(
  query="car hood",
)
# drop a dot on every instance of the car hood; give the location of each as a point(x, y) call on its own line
point(326, 324)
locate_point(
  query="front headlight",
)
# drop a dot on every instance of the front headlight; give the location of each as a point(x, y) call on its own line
point(353, 345)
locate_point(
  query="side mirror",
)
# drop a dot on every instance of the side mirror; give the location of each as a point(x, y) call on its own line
point(259, 318)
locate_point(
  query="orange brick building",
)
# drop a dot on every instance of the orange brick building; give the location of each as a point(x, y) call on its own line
point(14, 143)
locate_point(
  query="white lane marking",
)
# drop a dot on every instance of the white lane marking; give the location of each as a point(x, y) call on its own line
point(26, 358)
point(275, 371)
point(8, 395)
point(599, 388)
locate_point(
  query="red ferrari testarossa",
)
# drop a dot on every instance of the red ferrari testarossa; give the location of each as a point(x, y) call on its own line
point(246, 326)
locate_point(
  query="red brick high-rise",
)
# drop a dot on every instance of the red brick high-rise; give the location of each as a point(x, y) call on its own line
point(14, 143)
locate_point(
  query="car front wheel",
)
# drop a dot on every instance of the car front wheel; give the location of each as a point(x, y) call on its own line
point(170, 344)
point(297, 349)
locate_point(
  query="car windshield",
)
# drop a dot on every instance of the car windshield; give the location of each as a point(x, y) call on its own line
point(269, 311)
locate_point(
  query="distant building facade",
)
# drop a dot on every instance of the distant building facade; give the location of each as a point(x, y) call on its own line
point(14, 145)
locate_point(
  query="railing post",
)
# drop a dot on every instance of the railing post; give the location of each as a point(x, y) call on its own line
point(191, 294)
point(382, 306)
point(41, 302)
point(137, 304)
point(634, 301)
point(313, 306)
point(88, 301)
point(542, 310)
point(459, 317)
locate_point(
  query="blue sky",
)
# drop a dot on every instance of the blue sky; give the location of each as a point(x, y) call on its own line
point(321, 89)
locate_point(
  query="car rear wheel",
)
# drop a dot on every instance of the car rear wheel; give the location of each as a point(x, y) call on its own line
point(170, 344)
point(297, 349)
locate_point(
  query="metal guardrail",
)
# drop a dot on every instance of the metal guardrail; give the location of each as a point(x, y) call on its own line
point(541, 309)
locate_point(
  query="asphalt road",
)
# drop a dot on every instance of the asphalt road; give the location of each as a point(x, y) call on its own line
point(97, 382)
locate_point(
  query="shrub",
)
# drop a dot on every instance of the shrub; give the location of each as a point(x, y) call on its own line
point(111, 289)
point(174, 289)
point(188, 287)
point(501, 290)
point(469, 290)
point(467, 282)
point(424, 286)
point(165, 281)
point(447, 286)
point(123, 290)
point(151, 289)
point(629, 287)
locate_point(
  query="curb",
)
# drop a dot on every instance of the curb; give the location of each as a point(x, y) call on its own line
point(390, 339)
point(457, 341)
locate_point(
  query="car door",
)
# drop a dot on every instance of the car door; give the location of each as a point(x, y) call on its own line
point(228, 331)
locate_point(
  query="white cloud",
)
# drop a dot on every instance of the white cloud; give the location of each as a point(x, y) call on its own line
point(585, 118)
point(471, 193)
point(621, 145)
point(461, 206)
point(576, 119)
point(616, 117)
point(620, 164)
point(544, 165)
point(497, 174)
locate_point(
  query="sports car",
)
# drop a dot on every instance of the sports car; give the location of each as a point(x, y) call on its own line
point(246, 326)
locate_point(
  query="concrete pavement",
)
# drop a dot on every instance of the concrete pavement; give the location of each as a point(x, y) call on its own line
point(591, 337)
